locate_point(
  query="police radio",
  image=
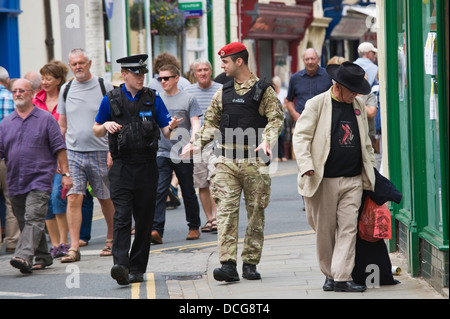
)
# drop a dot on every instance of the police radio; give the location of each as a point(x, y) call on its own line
point(260, 88)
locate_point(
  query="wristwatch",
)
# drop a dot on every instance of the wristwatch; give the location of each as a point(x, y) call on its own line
point(66, 174)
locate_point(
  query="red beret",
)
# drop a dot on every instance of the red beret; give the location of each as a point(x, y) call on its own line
point(232, 48)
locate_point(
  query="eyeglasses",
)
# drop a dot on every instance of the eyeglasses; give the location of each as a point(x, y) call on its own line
point(20, 91)
point(165, 78)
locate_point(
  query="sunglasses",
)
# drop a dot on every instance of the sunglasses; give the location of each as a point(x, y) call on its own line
point(165, 78)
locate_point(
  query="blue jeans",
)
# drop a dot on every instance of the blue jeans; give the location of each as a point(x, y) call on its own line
point(185, 175)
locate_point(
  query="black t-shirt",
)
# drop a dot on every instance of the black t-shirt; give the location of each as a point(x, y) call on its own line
point(345, 157)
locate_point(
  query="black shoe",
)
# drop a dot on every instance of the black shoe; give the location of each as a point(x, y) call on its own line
point(227, 272)
point(120, 274)
point(249, 272)
point(136, 277)
point(348, 286)
point(328, 285)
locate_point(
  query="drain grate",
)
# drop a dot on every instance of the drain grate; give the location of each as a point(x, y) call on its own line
point(183, 277)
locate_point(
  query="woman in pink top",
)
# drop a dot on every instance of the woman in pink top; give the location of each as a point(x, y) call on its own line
point(53, 76)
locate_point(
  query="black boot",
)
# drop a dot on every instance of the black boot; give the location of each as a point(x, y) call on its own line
point(348, 286)
point(249, 272)
point(328, 285)
point(227, 272)
point(120, 274)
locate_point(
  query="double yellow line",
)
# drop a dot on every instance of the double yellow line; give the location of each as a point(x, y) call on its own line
point(150, 287)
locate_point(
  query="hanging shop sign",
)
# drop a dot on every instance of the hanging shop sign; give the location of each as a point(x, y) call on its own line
point(275, 20)
point(191, 9)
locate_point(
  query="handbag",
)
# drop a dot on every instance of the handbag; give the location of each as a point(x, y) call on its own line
point(375, 221)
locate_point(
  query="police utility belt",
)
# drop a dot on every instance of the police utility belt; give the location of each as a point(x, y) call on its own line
point(139, 135)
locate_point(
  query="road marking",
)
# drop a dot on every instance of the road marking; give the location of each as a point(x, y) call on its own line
point(213, 243)
point(19, 294)
point(150, 287)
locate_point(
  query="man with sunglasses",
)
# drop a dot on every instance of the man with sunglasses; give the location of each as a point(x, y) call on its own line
point(132, 116)
point(182, 105)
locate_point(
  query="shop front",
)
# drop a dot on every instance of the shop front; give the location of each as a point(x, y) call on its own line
point(273, 32)
point(417, 133)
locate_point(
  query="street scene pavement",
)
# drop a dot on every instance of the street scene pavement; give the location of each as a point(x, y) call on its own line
point(183, 271)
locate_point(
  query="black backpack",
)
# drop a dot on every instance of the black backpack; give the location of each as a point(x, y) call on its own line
point(100, 81)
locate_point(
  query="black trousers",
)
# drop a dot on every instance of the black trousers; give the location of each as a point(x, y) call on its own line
point(133, 192)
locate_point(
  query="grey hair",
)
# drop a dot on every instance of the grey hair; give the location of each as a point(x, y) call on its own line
point(79, 51)
point(315, 51)
point(4, 75)
point(201, 61)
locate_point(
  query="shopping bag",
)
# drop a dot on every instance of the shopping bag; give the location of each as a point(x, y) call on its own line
point(374, 222)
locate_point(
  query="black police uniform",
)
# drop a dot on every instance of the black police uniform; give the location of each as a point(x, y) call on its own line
point(133, 176)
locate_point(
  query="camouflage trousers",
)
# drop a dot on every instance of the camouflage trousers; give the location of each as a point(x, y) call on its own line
point(228, 181)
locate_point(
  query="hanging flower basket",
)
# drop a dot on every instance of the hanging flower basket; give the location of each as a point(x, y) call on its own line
point(166, 18)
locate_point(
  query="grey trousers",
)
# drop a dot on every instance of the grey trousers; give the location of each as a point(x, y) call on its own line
point(333, 213)
point(30, 210)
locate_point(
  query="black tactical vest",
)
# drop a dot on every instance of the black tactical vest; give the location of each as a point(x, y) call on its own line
point(241, 124)
point(138, 138)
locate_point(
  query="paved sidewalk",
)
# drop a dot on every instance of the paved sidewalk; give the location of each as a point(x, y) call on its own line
point(289, 270)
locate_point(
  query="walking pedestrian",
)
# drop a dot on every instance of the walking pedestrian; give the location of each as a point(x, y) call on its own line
point(78, 104)
point(336, 162)
point(182, 105)
point(306, 83)
point(11, 226)
point(29, 136)
point(249, 117)
point(53, 76)
point(204, 90)
point(367, 58)
point(132, 116)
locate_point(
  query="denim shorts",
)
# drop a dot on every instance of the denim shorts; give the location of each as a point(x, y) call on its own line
point(56, 205)
point(89, 167)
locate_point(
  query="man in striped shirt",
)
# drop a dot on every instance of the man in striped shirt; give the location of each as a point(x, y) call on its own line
point(12, 231)
point(204, 90)
point(6, 99)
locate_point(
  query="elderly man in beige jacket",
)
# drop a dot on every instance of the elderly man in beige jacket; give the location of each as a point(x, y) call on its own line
point(336, 162)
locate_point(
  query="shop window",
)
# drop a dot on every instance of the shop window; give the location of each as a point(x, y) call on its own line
point(179, 27)
point(404, 107)
point(431, 89)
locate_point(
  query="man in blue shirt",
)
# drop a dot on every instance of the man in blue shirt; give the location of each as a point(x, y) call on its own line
point(132, 116)
point(307, 83)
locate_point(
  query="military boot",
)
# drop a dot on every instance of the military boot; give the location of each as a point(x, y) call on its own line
point(249, 272)
point(227, 272)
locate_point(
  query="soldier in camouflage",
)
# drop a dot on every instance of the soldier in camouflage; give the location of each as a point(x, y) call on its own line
point(245, 118)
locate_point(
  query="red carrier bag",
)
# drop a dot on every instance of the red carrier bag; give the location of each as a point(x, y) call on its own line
point(374, 222)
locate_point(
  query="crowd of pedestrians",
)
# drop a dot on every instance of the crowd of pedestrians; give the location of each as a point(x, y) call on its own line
point(133, 147)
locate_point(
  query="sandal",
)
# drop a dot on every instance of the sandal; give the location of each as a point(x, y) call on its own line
point(107, 250)
point(208, 227)
point(213, 225)
point(72, 255)
point(21, 264)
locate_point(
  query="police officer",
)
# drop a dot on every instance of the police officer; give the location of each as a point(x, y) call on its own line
point(249, 117)
point(133, 115)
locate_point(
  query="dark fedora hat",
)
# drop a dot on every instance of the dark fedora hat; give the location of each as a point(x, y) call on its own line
point(351, 76)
